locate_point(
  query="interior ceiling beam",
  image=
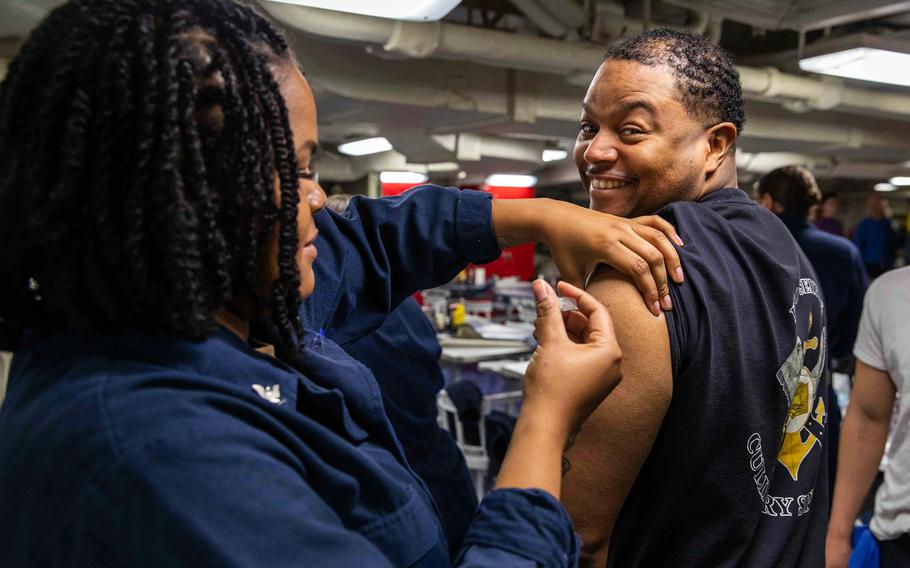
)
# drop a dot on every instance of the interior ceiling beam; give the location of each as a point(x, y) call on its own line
point(796, 15)
point(841, 13)
point(563, 58)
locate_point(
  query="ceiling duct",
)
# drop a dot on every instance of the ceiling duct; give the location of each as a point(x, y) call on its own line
point(503, 49)
point(799, 15)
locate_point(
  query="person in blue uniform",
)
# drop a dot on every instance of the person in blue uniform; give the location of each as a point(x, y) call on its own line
point(875, 237)
point(792, 193)
point(403, 354)
point(167, 403)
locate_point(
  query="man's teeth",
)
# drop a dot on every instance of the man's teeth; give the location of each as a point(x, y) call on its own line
point(608, 183)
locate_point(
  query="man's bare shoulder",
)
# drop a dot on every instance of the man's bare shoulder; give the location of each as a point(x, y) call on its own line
point(602, 464)
point(631, 316)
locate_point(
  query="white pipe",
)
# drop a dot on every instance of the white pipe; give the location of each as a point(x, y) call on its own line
point(544, 55)
point(715, 28)
point(764, 162)
point(566, 108)
point(481, 90)
point(833, 136)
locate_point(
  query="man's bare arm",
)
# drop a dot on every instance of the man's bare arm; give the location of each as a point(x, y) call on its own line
point(614, 442)
point(862, 443)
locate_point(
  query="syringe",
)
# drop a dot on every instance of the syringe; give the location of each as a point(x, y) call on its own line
point(567, 304)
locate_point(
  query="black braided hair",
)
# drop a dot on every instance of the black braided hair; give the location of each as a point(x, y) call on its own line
point(706, 76)
point(140, 140)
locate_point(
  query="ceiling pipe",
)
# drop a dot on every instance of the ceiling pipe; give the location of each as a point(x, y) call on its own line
point(504, 49)
point(613, 23)
point(833, 136)
point(566, 108)
point(456, 41)
point(715, 28)
point(764, 162)
point(477, 89)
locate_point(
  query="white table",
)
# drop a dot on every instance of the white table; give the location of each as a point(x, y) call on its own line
point(476, 354)
point(455, 356)
point(515, 370)
point(509, 368)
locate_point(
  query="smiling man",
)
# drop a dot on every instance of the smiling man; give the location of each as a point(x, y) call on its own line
point(711, 452)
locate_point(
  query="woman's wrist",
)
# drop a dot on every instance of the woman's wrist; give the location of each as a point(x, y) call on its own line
point(544, 425)
point(535, 453)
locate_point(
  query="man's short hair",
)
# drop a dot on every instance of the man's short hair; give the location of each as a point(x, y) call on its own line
point(706, 76)
point(793, 187)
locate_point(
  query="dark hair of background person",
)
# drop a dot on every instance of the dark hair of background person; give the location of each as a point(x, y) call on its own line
point(794, 187)
point(140, 140)
point(706, 76)
point(828, 195)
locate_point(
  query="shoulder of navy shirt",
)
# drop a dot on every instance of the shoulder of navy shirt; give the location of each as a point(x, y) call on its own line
point(403, 355)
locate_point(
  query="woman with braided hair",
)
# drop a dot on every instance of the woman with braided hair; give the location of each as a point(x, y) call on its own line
point(169, 402)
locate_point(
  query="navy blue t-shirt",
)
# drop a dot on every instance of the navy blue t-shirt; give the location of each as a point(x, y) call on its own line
point(736, 476)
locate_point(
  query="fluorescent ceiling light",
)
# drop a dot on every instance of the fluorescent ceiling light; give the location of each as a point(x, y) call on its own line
point(863, 63)
point(509, 180)
point(884, 187)
point(881, 58)
point(365, 146)
point(900, 180)
point(402, 177)
point(554, 155)
point(412, 10)
point(442, 167)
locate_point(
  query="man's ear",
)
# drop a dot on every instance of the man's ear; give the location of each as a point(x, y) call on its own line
point(721, 138)
point(766, 201)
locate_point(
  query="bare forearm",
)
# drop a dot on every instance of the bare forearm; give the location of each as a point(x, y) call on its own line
point(534, 456)
point(517, 221)
point(861, 446)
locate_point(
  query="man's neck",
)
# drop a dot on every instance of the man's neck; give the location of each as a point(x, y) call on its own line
point(724, 177)
point(709, 189)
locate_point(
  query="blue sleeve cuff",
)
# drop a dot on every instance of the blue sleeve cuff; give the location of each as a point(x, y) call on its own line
point(526, 522)
point(474, 222)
